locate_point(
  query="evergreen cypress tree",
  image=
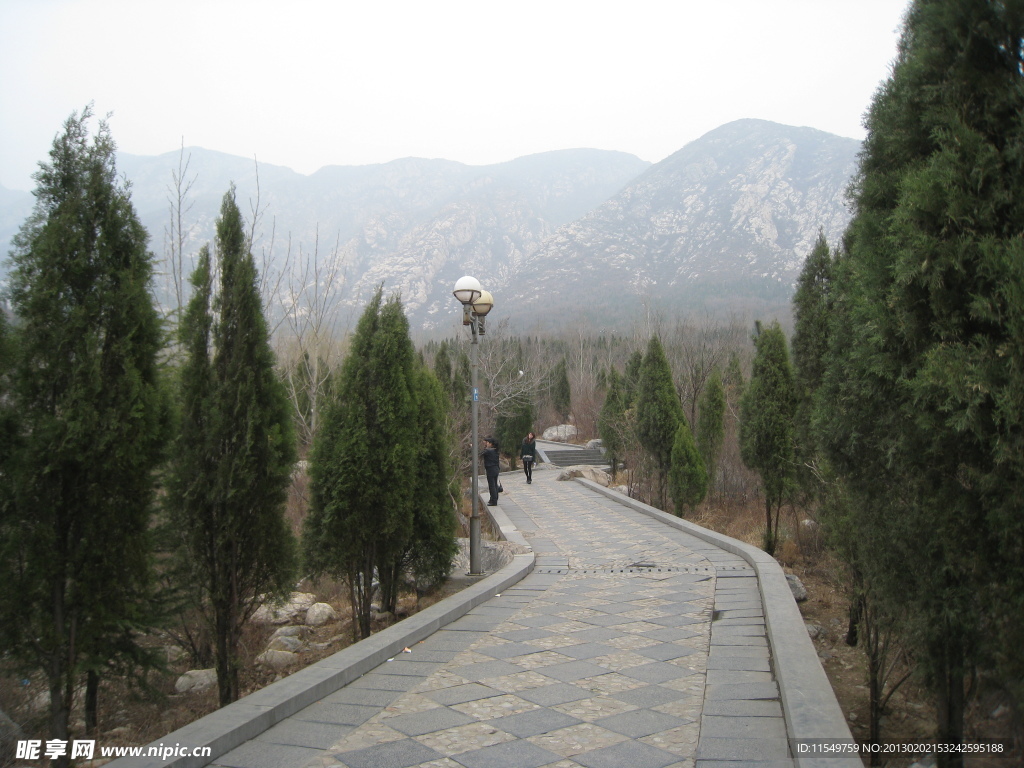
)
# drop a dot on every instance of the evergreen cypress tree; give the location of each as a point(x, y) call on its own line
point(811, 312)
point(766, 425)
point(688, 477)
point(432, 545)
point(658, 412)
point(611, 423)
point(236, 449)
point(925, 412)
point(362, 464)
point(561, 394)
point(631, 379)
point(511, 427)
point(711, 424)
point(90, 426)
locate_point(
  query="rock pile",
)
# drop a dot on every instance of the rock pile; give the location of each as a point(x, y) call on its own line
point(298, 616)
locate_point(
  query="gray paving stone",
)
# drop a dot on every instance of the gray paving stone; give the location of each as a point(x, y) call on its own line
point(596, 635)
point(733, 727)
point(666, 651)
point(555, 694)
point(338, 714)
point(723, 639)
point(377, 681)
point(401, 666)
point(787, 763)
point(650, 696)
point(534, 722)
point(585, 651)
point(521, 754)
point(508, 650)
point(640, 723)
point(742, 749)
point(634, 754)
point(257, 754)
point(482, 624)
point(738, 651)
point(743, 708)
point(655, 672)
point(719, 676)
point(460, 694)
point(749, 663)
point(571, 671)
point(675, 620)
point(485, 669)
point(522, 635)
point(369, 697)
point(537, 622)
point(392, 754)
point(428, 721)
point(671, 634)
point(605, 620)
point(741, 691)
point(420, 653)
point(299, 733)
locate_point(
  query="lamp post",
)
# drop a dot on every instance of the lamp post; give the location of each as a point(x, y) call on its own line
point(476, 303)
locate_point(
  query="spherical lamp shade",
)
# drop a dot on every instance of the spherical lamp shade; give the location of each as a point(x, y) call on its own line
point(467, 289)
point(484, 303)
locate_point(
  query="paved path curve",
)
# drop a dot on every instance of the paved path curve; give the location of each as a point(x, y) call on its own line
point(630, 645)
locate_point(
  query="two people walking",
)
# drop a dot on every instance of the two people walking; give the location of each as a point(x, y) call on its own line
point(527, 453)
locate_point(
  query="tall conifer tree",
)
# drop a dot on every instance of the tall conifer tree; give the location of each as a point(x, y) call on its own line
point(923, 406)
point(363, 465)
point(611, 423)
point(688, 477)
point(711, 424)
point(766, 425)
point(90, 417)
point(236, 449)
point(658, 412)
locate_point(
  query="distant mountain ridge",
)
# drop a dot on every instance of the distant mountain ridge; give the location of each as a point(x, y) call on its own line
point(724, 222)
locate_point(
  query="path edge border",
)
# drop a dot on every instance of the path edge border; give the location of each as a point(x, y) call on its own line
point(233, 725)
point(811, 709)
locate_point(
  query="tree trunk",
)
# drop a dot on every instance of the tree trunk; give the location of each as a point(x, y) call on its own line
point(950, 701)
point(92, 697)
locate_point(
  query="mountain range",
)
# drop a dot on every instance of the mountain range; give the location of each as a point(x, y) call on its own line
point(590, 235)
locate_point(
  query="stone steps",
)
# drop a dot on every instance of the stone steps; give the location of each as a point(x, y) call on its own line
point(573, 457)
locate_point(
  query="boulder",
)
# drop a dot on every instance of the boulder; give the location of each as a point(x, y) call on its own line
point(278, 659)
point(285, 613)
point(594, 474)
point(196, 681)
point(319, 614)
point(560, 434)
point(796, 587)
point(494, 555)
point(290, 630)
point(288, 643)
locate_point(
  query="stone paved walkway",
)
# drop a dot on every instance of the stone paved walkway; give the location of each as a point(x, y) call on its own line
point(631, 645)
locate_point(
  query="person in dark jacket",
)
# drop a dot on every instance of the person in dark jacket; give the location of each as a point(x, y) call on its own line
point(491, 467)
point(528, 455)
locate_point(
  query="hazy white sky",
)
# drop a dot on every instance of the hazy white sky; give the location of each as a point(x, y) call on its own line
point(308, 83)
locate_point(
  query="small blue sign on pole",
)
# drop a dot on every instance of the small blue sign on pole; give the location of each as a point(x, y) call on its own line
point(476, 394)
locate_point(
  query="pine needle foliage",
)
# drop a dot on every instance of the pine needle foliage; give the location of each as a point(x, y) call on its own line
point(87, 420)
point(922, 410)
point(236, 449)
point(688, 477)
point(711, 424)
point(766, 425)
point(381, 486)
point(658, 412)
